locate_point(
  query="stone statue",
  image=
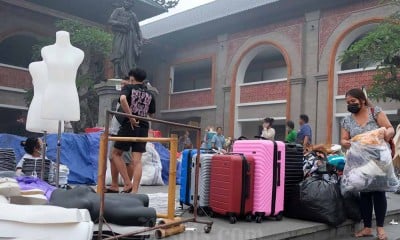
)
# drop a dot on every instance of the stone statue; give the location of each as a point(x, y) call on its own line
point(128, 39)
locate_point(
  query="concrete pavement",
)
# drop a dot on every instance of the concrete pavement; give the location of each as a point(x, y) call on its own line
point(285, 229)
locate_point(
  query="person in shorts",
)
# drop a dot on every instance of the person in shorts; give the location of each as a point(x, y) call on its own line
point(114, 128)
point(137, 100)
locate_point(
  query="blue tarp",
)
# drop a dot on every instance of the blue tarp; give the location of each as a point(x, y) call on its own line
point(80, 153)
point(164, 156)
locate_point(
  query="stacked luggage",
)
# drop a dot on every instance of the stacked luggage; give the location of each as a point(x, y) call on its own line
point(269, 176)
point(293, 177)
point(258, 179)
point(232, 186)
point(188, 172)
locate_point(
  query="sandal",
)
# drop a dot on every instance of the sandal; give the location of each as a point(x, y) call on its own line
point(127, 191)
point(109, 190)
point(363, 233)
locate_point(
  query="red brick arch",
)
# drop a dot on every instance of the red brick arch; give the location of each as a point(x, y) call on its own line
point(331, 71)
point(22, 31)
point(235, 73)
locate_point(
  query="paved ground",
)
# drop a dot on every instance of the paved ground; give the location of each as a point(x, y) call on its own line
point(269, 229)
point(392, 231)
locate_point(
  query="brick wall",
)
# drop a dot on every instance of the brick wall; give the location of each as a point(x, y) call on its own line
point(292, 29)
point(192, 99)
point(263, 92)
point(331, 19)
point(15, 78)
point(347, 81)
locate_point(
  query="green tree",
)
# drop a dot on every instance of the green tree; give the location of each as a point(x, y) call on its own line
point(382, 46)
point(96, 43)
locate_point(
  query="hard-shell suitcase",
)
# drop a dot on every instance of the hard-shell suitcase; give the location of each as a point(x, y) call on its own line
point(187, 175)
point(293, 177)
point(204, 179)
point(232, 185)
point(269, 175)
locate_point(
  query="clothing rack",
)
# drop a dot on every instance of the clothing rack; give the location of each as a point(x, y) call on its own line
point(173, 144)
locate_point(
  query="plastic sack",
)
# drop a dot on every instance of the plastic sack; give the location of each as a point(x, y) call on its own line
point(321, 201)
point(369, 165)
point(152, 168)
point(351, 202)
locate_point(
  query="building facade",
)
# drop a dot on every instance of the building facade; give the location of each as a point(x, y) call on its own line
point(23, 24)
point(233, 63)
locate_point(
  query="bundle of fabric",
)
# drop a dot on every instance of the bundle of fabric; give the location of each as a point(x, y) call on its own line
point(369, 164)
point(322, 159)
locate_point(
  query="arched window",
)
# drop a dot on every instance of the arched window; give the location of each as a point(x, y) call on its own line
point(267, 65)
point(17, 50)
point(357, 62)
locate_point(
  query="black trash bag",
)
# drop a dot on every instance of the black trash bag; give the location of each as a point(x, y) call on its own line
point(321, 201)
point(351, 202)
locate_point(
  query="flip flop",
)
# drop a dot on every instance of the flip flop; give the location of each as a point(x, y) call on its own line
point(109, 190)
point(127, 191)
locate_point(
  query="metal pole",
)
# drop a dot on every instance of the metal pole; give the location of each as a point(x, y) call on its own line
point(102, 173)
point(44, 148)
point(58, 155)
point(172, 176)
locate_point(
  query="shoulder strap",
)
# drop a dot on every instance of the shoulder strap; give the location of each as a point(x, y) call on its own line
point(373, 114)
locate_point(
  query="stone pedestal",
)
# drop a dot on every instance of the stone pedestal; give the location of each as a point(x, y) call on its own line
point(108, 93)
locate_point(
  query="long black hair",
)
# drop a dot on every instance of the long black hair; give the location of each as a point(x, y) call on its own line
point(30, 144)
point(359, 94)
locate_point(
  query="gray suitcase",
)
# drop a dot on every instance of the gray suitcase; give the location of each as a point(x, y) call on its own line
point(204, 180)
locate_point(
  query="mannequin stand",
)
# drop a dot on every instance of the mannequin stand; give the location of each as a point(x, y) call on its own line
point(57, 173)
point(44, 149)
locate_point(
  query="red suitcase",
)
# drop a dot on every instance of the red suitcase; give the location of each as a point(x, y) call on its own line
point(231, 186)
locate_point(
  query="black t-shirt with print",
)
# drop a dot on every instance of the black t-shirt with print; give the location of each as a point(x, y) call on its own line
point(140, 100)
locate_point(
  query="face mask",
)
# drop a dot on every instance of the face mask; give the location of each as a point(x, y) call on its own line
point(353, 108)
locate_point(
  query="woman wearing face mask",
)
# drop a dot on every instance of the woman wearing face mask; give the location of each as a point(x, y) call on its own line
point(33, 150)
point(268, 132)
point(364, 118)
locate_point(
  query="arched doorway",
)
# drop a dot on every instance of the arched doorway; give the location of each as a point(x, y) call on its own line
point(17, 50)
point(261, 89)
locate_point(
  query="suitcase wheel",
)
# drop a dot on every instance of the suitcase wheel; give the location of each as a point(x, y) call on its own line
point(232, 219)
point(191, 209)
point(249, 218)
point(258, 219)
point(207, 229)
point(279, 216)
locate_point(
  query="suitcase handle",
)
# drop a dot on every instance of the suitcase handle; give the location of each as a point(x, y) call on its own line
point(278, 180)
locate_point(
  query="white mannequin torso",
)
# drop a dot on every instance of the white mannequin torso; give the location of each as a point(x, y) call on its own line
point(34, 122)
point(60, 100)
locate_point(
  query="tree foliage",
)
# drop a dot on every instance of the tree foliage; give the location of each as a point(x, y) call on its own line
point(97, 44)
point(382, 46)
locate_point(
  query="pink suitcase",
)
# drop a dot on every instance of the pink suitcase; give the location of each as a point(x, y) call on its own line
point(269, 175)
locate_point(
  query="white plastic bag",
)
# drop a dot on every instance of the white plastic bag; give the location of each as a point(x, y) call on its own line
point(369, 165)
point(151, 167)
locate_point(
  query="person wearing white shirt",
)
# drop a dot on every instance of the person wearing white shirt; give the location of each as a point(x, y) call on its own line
point(268, 132)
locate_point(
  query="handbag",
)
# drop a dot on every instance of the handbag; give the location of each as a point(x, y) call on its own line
point(391, 142)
